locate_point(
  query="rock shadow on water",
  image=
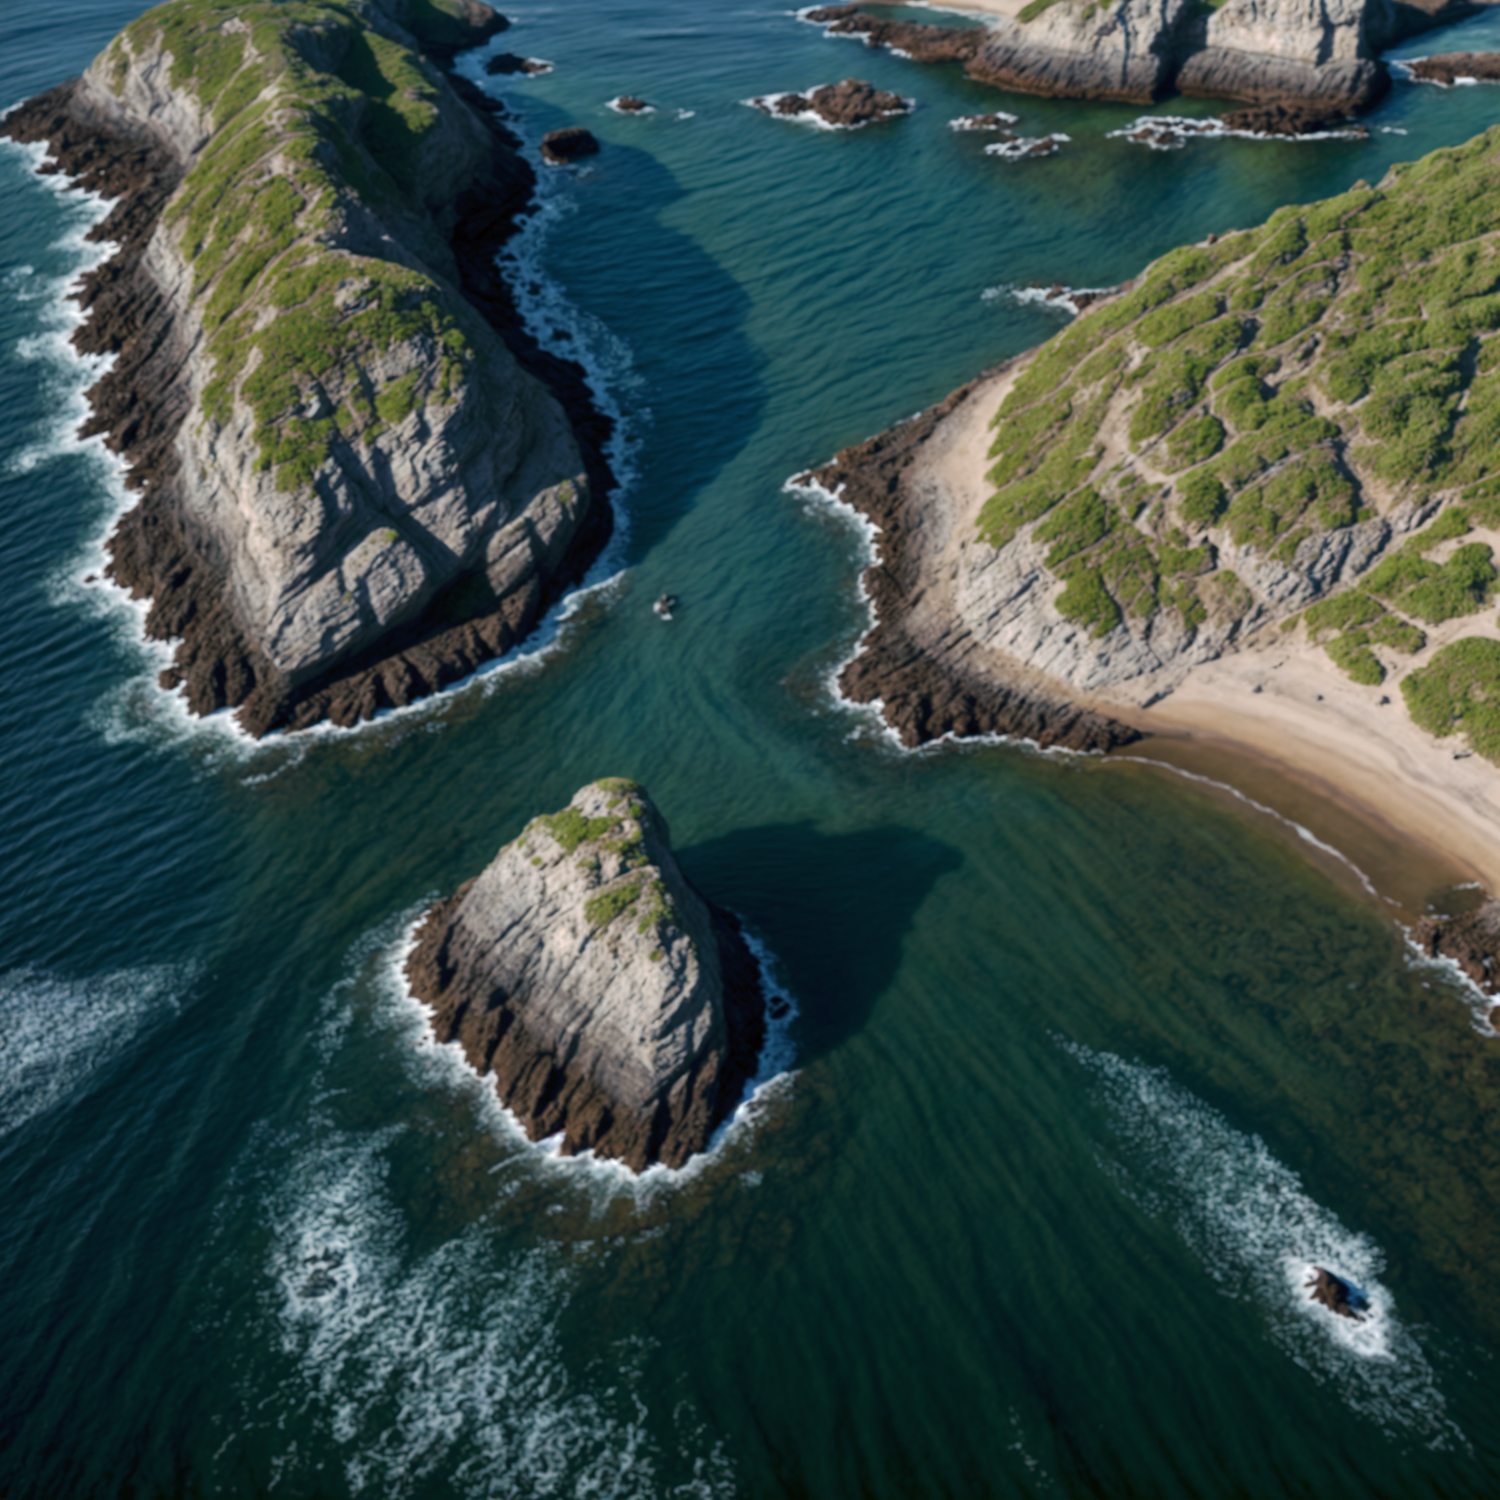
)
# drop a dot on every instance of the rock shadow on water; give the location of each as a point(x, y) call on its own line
point(693, 364)
point(834, 908)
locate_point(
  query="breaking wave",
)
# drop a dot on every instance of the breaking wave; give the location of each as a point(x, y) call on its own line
point(1248, 1218)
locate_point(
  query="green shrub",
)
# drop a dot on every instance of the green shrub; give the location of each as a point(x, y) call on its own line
point(1460, 587)
point(1200, 498)
point(601, 909)
point(1459, 690)
point(1342, 612)
point(1352, 655)
point(1086, 600)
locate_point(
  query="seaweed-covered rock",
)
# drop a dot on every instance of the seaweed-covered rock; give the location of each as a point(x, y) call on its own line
point(612, 1004)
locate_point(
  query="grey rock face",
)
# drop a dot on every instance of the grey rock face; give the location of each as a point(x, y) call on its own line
point(611, 1003)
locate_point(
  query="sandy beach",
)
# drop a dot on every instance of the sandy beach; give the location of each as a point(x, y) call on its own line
point(1278, 698)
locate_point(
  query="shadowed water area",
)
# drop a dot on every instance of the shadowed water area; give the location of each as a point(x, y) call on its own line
point(1088, 1066)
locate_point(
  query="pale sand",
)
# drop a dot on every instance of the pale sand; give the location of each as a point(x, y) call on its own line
point(1008, 8)
point(1308, 719)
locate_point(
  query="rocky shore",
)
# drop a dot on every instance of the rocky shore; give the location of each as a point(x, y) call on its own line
point(1472, 941)
point(928, 674)
point(1136, 51)
point(611, 1003)
point(286, 625)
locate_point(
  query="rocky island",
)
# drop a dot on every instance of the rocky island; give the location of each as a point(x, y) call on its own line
point(358, 475)
point(1136, 51)
point(613, 1005)
point(1249, 494)
point(844, 106)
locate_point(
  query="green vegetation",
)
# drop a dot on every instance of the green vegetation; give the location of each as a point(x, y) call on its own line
point(1269, 389)
point(659, 908)
point(313, 107)
point(570, 828)
point(601, 909)
point(1459, 691)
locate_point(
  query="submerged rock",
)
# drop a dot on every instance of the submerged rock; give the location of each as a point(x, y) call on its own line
point(1337, 1295)
point(610, 1001)
point(569, 144)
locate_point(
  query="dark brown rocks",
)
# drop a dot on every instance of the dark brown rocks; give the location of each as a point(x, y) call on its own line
point(1471, 940)
point(570, 144)
point(921, 43)
point(1448, 67)
point(1294, 119)
point(847, 105)
point(630, 105)
point(930, 688)
point(1336, 1294)
point(505, 64)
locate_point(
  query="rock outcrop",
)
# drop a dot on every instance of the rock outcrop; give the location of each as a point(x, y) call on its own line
point(571, 143)
point(613, 1005)
point(1451, 67)
point(1336, 1294)
point(1471, 940)
point(358, 474)
point(846, 105)
point(1261, 51)
point(931, 685)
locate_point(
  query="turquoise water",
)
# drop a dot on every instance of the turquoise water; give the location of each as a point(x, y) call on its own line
point(1086, 1068)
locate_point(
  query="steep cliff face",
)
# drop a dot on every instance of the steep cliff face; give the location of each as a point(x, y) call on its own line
point(1265, 51)
point(611, 1003)
point(363, 492)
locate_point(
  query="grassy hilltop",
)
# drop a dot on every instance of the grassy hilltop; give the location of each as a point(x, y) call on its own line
point(1336, 366)
point(318, 115)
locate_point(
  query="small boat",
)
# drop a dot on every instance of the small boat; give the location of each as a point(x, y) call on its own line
point(664, 606)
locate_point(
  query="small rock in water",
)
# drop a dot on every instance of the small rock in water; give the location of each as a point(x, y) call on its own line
point(630, 105)
point(560, 147)
point(506, 63)
point(1337, 1295)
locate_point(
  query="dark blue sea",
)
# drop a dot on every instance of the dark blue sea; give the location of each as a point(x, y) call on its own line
point(1088, 1065)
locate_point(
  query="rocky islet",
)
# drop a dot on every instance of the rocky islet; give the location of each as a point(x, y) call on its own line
point(612, 1004)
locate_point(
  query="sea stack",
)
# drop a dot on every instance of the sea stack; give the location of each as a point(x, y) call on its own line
point(612, 1004)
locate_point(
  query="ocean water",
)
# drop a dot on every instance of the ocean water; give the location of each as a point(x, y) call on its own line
point(1083, 1068)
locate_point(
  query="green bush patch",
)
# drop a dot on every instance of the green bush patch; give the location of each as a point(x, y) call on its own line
point(1459, 691)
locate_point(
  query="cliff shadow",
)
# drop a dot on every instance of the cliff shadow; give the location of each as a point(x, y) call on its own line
point(680, 315)
point(834, 909)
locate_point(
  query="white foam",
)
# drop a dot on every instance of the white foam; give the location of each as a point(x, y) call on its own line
point(687, 114)
point(1305, 834)
point(766, 104)
point(438, 1064)
point(1481, 1005)
point(871, 721)
point(1063, 298)
point(57, 1034)
point(1028, 148)
point(1247, 1217)
point(996, 120)
point(1179, 130)
point(448, 1363)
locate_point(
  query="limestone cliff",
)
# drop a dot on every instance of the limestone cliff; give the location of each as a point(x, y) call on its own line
point(1264, 51)
point(352, 489)
point(612, 1004)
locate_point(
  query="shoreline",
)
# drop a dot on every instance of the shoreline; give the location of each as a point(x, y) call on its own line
point(139, 404)
point(1275, 721)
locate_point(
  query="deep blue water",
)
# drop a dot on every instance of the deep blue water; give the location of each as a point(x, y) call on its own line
point(1087, 1067)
